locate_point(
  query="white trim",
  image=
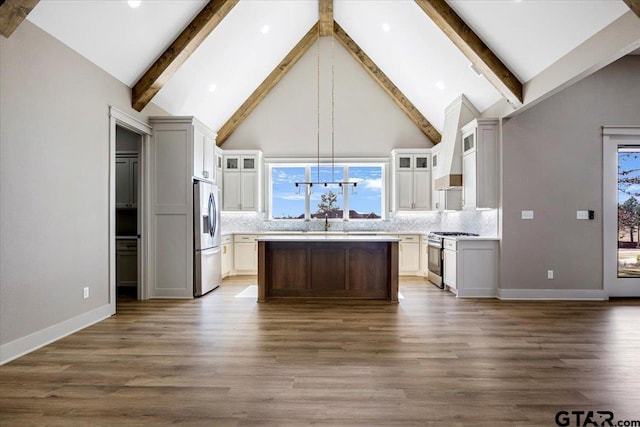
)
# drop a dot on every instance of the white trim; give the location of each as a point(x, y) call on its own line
point(129, 122)
point(621, 130)
point(552, 294)
point(476, 293)
point(117, 117)
point(21, 346)
point(612, 137)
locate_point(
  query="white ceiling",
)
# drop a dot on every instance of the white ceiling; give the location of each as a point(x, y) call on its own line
point(528, 35)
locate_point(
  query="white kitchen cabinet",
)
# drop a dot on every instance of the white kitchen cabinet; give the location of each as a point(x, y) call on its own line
point(424, 255)
point(126, 180)
point(204, 143)
point(411, 180)
point(242, 181)
point(227, 255)
point(176, 146)
point(480, 174)
point(448, 200)
point(219, 158)
point(471, 267)
point(450, 263)
point(245, 254)
point(409, 255)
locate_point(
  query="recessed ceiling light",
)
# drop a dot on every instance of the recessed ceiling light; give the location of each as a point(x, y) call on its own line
point(213, 87)
point(475, 70)
point(265, 29)
point(133, 4)
point(440, 85)
point(386, 27)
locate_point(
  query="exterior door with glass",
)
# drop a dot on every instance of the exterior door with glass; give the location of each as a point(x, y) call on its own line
point(621, 210)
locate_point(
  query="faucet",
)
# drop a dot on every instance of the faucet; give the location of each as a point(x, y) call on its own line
point(326, 222)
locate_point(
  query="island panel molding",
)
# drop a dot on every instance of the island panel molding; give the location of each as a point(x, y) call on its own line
point(362, 267)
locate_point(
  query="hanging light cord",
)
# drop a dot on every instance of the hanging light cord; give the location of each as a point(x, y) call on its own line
point(318, 135)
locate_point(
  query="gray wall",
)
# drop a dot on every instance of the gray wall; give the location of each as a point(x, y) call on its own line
point(54, 165)
point(552, 164)
point(367, 120)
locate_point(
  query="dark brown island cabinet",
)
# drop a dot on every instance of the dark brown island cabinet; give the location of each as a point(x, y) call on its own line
point(328, 266)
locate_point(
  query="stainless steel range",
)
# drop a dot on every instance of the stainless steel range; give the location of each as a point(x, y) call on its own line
point(436, 254)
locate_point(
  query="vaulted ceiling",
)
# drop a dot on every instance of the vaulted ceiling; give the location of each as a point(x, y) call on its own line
point(215, 59)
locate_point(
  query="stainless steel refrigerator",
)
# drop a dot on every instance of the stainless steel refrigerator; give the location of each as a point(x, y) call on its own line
point(206, 238)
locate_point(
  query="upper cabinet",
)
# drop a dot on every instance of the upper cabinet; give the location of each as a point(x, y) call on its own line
point(242, 180)
point(480, 184)
point(411, 179)
point(219, 160)
point(126, 180)
point(204, 148)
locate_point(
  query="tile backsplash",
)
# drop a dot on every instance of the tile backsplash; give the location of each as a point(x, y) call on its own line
point(483, 222)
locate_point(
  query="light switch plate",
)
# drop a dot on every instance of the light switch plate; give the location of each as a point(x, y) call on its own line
point(527, 214)
point(582, 214)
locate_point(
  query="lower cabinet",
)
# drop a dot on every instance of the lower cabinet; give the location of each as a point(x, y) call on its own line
point(409, 255)
point(245, 254)
point(471, 267)
point(450, 264)
point(424, 255)
point(227, 255)
point(126, 263)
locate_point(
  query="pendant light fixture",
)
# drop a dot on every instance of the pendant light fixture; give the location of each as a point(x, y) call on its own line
point(333, 182)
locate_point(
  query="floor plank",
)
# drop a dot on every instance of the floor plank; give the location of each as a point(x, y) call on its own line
point(432, 359)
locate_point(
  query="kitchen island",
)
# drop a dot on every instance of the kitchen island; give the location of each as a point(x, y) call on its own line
point(328, 266)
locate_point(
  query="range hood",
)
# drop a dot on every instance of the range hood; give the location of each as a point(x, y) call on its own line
point(448, 174)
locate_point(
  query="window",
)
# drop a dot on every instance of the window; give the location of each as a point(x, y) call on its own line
point(327, 201)
point(286, 202)
point(363, 201)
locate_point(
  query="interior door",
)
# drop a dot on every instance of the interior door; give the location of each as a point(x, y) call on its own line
point(621, 213)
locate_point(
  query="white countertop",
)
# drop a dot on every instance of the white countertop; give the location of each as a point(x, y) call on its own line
point(343, 237)
point(457, 238)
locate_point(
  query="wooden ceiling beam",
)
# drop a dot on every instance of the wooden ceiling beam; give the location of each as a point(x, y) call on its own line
point(325, 12)
point(473, 48)
point(12, 13)
point(634, 5)
point(269, 83)
point(386, 84)
point(177, 53)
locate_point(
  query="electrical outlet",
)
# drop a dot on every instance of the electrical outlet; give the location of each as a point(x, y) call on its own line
point(527, 214)
point(549, 274)
point(582, 214)
point(85, 292)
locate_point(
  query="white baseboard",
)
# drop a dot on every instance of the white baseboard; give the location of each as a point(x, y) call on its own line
point(476, 293)
point(21, 346)
point(552, 294)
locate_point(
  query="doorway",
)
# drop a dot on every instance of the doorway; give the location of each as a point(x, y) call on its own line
point(621, 210)
point(129, 139)
point(128, 148)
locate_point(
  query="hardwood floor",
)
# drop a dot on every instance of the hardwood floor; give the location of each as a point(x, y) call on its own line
point(432, 359)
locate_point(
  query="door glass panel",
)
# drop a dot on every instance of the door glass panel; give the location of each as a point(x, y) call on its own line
point(404, 162)
point(628, 211)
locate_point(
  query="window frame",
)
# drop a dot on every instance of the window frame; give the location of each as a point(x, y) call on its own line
point(345, 163)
